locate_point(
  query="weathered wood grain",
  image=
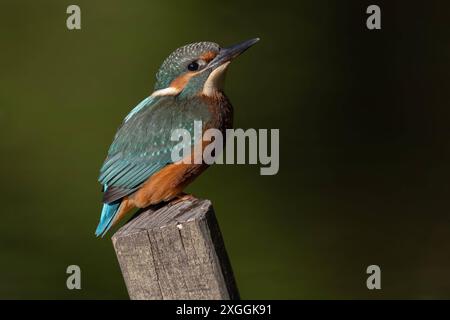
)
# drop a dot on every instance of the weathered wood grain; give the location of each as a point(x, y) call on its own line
point(175, 252)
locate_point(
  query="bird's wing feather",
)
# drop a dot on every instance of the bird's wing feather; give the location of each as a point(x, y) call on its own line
point(142, 145)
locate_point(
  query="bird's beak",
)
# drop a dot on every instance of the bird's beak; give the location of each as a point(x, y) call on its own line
point(228, 54)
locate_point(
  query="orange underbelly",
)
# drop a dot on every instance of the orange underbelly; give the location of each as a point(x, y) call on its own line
point(166, 184)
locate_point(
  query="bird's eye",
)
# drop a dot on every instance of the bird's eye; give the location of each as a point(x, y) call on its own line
point(193, 66)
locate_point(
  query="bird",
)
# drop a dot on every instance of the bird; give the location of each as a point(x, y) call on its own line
point(138, 170)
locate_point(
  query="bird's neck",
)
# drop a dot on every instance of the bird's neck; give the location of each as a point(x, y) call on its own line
point(221, 110)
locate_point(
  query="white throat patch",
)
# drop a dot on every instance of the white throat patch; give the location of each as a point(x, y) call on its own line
point(215, 80)
point(169, 91)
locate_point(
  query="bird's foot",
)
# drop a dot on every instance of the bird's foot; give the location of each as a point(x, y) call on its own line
point(181, 197)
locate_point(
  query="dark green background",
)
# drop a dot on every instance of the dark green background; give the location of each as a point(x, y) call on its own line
point(364, 123)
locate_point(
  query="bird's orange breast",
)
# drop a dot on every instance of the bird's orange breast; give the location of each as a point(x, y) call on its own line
point(166, 184)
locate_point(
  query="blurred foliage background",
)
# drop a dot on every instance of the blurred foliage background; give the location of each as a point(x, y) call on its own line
point(364, 123)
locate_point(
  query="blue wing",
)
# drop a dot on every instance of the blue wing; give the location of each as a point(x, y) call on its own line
point(142, 145)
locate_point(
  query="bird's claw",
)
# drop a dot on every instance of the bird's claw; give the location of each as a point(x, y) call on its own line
point(180, 198)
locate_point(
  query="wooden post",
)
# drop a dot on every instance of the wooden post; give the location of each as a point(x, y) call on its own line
point(175, 252)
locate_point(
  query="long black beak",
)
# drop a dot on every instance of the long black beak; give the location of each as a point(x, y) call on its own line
point(228, 54)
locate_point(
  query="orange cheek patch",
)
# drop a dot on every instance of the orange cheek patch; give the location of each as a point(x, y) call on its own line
point(208, 56)
point(181, 81)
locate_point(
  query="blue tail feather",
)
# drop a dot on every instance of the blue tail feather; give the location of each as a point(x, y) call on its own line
point(109, 211)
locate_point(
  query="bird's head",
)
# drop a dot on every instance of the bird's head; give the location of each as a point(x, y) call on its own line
point(197, 68)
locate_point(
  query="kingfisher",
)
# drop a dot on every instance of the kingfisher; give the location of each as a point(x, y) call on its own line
point(139, 170)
